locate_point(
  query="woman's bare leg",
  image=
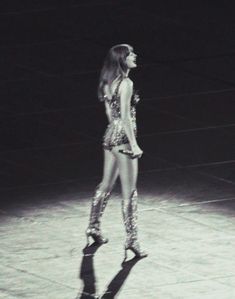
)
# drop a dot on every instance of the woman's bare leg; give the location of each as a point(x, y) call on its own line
point(110, 172)
point(128, 171)
point(102, 194)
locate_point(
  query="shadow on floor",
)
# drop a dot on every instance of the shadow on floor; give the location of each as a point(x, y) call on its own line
point(87, 275)
point(119, 279)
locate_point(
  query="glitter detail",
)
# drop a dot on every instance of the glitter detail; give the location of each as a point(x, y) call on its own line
point(99, 202)
point(129, 211)
point(115, 133)
point(130, 215)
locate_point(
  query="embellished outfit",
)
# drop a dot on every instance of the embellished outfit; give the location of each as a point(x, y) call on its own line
point(115, 133)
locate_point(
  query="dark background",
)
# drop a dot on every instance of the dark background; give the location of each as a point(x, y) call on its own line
point(51, 121)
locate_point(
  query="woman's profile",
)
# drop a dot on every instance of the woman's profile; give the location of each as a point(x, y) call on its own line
point(121, 151)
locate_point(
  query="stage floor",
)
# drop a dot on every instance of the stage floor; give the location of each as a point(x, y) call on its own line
point(186, 223)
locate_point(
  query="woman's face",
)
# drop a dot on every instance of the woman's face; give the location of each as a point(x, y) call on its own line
point(131, 59)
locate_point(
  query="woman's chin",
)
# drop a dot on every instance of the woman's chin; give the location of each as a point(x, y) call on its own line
point(132, 66)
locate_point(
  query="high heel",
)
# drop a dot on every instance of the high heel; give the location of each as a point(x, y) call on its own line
point(96, 235)
point(135, 248)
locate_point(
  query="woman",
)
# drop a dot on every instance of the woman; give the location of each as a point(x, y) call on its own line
point(121, 151)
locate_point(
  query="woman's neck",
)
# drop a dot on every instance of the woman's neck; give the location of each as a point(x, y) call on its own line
point(127, 72)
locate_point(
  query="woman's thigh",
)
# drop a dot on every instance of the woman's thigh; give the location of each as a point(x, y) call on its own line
point(128, 170)
point(110, 171)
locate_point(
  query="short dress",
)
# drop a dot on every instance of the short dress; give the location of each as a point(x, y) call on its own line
point(115, 133)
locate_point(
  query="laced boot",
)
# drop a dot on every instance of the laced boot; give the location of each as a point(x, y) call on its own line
point(130, 220)
point(98, 205)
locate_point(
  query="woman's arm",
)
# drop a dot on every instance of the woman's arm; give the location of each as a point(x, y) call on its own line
point(108, 111)
point(107, 108)
point(126, 90)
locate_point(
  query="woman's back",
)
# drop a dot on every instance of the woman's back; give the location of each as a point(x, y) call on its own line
point(115, 133)
point(112, 98)
point(113, 89)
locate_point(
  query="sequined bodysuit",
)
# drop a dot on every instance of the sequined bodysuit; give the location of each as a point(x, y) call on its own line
point(115, 133)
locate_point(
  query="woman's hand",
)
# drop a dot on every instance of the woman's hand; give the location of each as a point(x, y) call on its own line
point(136, 151)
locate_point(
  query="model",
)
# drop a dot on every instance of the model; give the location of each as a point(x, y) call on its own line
point(121, 151)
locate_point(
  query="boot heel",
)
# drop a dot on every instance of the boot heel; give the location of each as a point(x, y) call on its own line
point(125, 254)
point(96, 235)
point(135, 248)
point(87, 238)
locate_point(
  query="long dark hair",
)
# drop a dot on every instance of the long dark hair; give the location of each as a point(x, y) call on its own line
point(114, 66)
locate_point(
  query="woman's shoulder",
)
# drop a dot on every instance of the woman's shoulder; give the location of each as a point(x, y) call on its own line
point(126, 83)
point(127, 80)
